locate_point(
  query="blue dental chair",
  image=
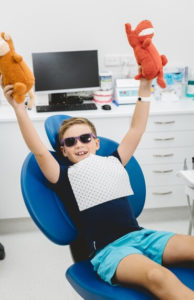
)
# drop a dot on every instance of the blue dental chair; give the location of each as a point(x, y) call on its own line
point(50, 216)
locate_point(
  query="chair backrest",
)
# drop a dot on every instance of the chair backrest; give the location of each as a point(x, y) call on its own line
point(43, 204)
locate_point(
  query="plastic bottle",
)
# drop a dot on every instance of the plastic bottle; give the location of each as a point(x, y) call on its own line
point(190, 85)
point(178, 84)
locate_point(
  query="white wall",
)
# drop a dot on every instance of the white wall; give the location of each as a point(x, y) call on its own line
point(44, 25)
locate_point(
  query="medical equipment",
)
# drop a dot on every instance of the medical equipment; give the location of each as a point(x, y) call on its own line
point(126, 91)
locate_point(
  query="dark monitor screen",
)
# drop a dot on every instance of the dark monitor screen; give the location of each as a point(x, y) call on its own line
point(67, 71)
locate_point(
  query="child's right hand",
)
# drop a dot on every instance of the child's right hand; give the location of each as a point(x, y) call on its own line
point(8, 93)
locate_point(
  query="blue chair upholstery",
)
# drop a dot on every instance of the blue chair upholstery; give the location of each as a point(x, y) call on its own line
point(50, 216)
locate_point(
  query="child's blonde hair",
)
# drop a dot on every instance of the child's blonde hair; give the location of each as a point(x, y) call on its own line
point(72, 121)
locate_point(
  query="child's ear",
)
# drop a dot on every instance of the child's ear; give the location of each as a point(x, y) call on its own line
point(97, 143)
point(63, 151)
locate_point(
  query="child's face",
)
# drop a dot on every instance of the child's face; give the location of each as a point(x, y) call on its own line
point(80, 150)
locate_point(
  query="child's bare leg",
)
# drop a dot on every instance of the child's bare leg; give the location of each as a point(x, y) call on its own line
point(180, 248)
point(140, 270)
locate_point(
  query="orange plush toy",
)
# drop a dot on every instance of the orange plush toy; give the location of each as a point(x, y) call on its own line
point(146, 54)
point(15, 71)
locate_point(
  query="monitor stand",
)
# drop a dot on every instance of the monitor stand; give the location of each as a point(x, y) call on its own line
point(57, 98)
point(60, 98)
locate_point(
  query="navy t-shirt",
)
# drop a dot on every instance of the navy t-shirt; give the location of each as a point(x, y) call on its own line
point(100, 224)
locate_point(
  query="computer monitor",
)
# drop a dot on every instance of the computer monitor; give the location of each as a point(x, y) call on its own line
point(65, 72)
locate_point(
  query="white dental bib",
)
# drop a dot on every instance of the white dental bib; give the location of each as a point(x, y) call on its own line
point(96, 179)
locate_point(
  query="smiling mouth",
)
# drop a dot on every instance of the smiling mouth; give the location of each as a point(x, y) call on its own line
point(80, 153)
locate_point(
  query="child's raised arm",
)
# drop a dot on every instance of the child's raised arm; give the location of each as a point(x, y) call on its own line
point(46, 161)
point(138, 123)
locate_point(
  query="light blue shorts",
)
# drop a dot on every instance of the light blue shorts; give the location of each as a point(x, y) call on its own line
point(147, 242)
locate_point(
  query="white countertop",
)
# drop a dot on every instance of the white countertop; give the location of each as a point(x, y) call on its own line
point(183, 106)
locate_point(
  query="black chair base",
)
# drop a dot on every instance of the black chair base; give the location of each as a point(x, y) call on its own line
point(2, 252)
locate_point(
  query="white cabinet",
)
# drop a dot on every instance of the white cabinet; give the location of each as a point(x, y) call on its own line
point(12, 154)
point(112, 128)
point(167, 142)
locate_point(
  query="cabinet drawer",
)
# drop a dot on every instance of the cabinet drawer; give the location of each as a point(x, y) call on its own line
point(167, 139)
point(161, 175)
point(168, 196)
point(171, 122)
point(164, 155)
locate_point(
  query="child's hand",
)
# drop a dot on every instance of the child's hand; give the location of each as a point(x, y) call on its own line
point(8, 93)
point(145, 86)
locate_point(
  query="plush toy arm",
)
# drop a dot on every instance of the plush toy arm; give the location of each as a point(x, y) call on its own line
point(164, 59)
point(18, 58)
point(146, 43)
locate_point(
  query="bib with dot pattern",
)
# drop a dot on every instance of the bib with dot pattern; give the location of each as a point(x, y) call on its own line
point(96, 179)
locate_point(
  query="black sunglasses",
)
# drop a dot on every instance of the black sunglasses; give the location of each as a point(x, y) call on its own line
point(84, 138)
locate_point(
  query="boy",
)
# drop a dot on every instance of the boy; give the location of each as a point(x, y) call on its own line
point(122, 251)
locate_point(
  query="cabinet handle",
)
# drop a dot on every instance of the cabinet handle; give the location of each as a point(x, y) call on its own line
point(164, 139)
point(162, 193)
point(163, 155)
point(164, 122)
point(163, 171)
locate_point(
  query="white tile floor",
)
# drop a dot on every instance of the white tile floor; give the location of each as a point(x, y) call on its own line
point(34, 268)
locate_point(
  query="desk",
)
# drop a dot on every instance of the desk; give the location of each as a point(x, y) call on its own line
point(168, 140)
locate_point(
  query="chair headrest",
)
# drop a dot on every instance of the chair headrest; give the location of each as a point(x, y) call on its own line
point(52, 125)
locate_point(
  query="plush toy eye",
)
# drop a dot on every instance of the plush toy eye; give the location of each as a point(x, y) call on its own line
point(146, 31)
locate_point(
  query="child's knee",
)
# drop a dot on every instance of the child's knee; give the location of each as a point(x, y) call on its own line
point(156, 278)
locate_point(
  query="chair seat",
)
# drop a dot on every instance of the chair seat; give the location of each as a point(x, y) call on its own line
point(89, 286)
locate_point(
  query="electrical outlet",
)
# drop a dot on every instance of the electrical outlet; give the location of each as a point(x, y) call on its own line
point(116, 60)
point(112, 60)
point(127, 60)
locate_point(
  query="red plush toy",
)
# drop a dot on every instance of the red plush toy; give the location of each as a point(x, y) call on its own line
point(146, 54)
